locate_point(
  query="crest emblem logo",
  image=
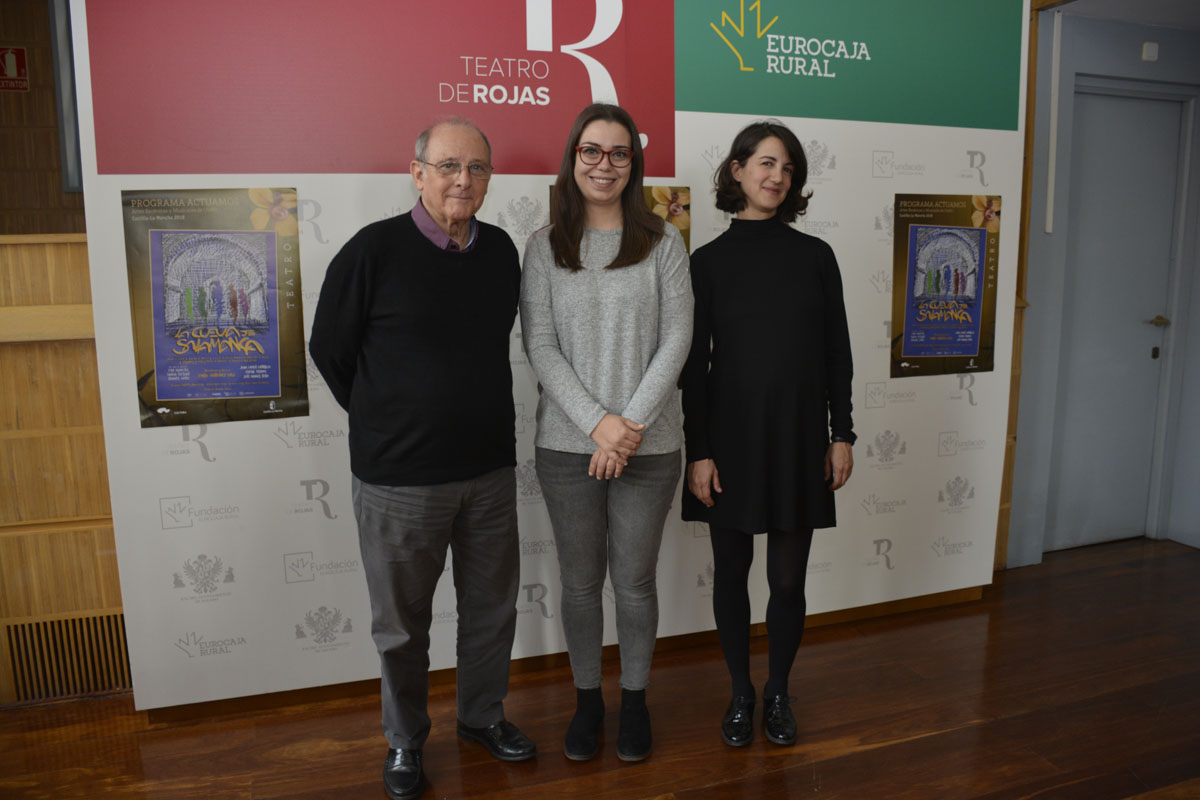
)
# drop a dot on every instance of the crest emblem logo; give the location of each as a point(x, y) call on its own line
point(819, 158)
point(524, 216)
point(887, 446)
point(203, 573)
point(957, 491)
point(527, 482)
point(885, 222)
point(324, 625)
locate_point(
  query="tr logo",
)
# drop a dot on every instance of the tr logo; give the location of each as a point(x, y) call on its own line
point(536, 593)
point(882, 548)
point(310, 491)
point(539, 36)
point(740, 28)
point(200, 433)
point(965, 382)
point(976, 160)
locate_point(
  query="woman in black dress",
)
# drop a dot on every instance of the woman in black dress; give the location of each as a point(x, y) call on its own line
point(766, 401)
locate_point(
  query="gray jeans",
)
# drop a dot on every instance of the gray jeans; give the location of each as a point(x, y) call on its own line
point(403, 532)
point(614, 525)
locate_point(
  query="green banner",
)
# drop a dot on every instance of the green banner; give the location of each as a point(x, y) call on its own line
point(934, 62)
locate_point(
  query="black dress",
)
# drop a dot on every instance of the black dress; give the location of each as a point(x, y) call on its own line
point(762, 403)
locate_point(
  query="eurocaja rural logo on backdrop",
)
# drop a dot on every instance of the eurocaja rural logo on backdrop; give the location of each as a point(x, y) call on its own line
point(523, 70)
point(870, 60)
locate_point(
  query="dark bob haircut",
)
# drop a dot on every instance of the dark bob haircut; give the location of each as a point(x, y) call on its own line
point(730, 196)
point(641, 228)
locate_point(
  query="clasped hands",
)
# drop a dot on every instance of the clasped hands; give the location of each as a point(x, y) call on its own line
point(617, 440)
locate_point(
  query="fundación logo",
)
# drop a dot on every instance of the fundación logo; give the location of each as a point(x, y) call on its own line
point(956, 494)
point(325, 628)
point(204, 575)
point(180, 512)
point(885, 165)
point(303, 567)
point(886, 449)
point(193, 645)
point(949, 444)
point(522, 421)
point(819, 567)
point(878, 395)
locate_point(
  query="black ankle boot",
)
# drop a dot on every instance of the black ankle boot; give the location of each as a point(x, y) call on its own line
point(633, 736)
point(583, 734)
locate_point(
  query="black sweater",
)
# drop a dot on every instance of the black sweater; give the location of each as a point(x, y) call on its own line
point(414, 344)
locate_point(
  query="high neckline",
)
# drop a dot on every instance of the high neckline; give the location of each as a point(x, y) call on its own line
point(756, 227)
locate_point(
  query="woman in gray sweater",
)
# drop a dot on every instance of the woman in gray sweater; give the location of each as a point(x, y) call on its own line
point(606, 317)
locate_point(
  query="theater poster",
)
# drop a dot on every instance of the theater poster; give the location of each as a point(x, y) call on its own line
point(946, 252)
point(214, 286)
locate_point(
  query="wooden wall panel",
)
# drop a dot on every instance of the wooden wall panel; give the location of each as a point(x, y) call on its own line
point(55, 477)
point(63, 571)
point(60, 597)
point(40, 270)
point(48, 385)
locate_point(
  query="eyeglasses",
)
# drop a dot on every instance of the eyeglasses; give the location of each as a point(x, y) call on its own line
point(591, 155)
point(452, 169)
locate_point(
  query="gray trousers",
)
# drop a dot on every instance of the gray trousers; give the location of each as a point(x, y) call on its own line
point(615, 526)
point(403, 532)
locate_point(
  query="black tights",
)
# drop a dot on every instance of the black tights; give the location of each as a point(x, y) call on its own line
point(787, 567)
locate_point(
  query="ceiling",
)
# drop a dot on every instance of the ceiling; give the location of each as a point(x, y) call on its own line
point(1169, 13)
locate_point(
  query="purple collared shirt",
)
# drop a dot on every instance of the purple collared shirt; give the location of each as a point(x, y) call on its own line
point(435, 234)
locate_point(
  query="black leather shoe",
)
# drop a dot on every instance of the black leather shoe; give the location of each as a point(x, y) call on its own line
point(633, 734)
point(503, 740)
point(403, 775)
point(582, 740)
point(778, 721)
point(737, 728)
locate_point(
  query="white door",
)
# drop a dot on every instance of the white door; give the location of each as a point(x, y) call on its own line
point(1125, 170)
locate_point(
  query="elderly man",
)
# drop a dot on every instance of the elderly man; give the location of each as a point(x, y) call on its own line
point(411, 333)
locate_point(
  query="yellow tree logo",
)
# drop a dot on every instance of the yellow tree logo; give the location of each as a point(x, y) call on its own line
point(739, 27)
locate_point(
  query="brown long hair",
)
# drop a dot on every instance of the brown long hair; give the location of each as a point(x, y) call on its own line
point(640, 227)
point(730, 196)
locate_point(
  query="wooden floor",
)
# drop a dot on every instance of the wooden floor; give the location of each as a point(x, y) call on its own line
point(1077, 678)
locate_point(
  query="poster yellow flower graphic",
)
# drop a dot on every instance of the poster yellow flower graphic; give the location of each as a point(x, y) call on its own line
point(274, 210)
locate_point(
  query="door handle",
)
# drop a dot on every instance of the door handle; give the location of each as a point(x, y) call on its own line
point(1159, 321)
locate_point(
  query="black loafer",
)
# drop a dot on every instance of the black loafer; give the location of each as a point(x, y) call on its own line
point(503, 740)
point(737, 727)
point(778, 721)
point(403, 774)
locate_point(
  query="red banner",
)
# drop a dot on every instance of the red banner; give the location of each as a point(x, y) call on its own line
point(300, 86)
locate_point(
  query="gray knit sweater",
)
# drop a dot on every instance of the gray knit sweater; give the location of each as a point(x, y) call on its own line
point(607, 340)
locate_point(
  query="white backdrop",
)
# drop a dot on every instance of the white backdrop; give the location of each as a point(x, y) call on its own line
point(286, 606)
